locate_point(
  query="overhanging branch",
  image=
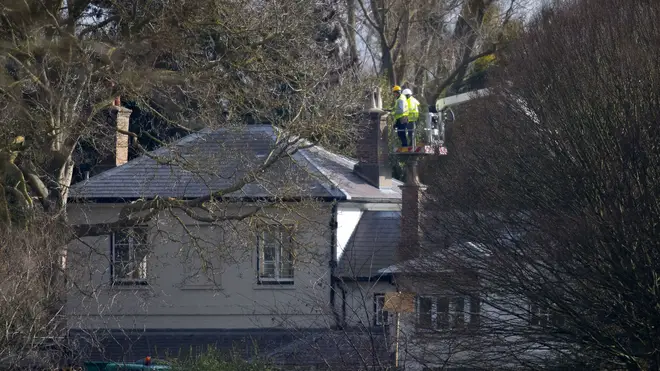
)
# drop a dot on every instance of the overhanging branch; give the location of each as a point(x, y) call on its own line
point(132, 214)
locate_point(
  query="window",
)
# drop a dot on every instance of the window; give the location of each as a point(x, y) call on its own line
point(426, 311)
point(275, 258)
point(381, 316)
point(129, 256)
point(446, 312)
point(443, 313)
point(475, 312)
point(458, 313)
point(540, 315)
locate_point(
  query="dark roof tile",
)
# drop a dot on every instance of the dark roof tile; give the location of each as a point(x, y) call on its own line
point(209, 161)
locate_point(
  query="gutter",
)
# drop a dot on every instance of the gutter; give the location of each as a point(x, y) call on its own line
point(379, 200)
point(379, 278)
point(256, 199)
point(334, 281)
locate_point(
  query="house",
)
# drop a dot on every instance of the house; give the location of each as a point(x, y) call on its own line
point(466, 326)
point(291, 264)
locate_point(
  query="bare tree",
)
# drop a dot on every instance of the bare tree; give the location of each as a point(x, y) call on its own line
point(31, 304)
point(431, 44)
point(66, 61)
point(547, 207)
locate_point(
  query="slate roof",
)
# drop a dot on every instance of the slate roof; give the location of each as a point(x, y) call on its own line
point(277, 346)
point(339, 170)
point(212, 160)
point(372, 246)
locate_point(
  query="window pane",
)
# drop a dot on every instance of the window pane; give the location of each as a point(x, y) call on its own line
point(130, 252)
point(122, 238)
point(268, 269)
point(556, 319)
point(269, 246)
point(459, 312)
point(534, 320)
point(425, 312)
point(544, 315)
point(286, 261)
point(475, 311)
point(380, 315)
point(443, 313)
point(286, 270)
point(267, 258)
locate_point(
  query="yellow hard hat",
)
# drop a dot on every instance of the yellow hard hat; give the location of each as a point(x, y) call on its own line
point(396, 88)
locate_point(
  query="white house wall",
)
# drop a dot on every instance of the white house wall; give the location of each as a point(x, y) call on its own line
point(174, 300)
point(347, 220)
point(485, 348)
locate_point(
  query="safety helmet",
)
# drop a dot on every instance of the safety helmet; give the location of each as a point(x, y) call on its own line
point(407, 92)
point(396, 88)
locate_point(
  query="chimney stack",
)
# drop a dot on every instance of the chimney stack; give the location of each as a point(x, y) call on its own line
point(119, 116)
point(373, 152)
point(412, 192)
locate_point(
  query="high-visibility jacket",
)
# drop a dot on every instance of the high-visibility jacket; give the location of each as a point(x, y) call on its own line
point(413, 109)
point(400, 107)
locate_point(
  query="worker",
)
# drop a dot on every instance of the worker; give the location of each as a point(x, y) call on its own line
point(413, 114)
point(400, 112)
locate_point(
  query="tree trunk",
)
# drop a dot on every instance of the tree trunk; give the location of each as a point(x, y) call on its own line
point(351, 33)
point(472, 18)
point(387, 62)
point(401, 51)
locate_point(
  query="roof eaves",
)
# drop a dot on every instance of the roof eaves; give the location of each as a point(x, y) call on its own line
point(383, 200)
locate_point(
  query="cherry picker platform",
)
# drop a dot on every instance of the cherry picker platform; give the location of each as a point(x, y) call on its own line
point(433, 135)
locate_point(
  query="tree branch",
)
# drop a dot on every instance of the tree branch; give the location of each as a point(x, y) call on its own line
point(127, 215)
point(449, 79)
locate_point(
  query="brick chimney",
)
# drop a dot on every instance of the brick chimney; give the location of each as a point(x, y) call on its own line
point(412, 192)
point(372, 150)
point(119, 117)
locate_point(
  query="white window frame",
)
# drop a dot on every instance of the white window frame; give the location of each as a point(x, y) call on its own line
point(452, 313)
point(132, 245)
point(285, 242)
point(381, 316)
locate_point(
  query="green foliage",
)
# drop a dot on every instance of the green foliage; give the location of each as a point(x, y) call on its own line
point(481, 64)
point(215, 360)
